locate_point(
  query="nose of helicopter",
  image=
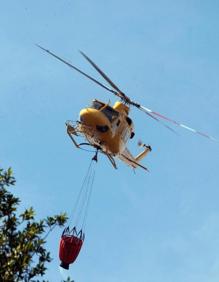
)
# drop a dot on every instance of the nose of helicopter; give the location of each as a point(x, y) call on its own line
point(87, 116)
point(94, 118)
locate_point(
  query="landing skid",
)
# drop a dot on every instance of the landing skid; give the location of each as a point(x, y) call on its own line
point(72, 131)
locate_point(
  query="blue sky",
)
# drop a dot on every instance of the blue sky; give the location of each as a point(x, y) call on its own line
point(161, 226)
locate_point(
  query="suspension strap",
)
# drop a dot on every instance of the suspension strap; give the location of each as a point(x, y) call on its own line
point(81, 205)
point(88, 200)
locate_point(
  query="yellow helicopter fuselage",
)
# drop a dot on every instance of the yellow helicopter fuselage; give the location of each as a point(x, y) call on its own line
point(108, 127)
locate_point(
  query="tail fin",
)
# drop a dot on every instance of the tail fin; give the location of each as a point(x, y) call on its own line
point(147, 149)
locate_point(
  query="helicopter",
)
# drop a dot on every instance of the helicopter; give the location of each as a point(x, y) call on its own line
point(108, 128)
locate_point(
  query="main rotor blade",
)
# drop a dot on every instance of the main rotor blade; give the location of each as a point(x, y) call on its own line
point(155, 118)
point(120, 93)
point(77, 69)
point(157, 115)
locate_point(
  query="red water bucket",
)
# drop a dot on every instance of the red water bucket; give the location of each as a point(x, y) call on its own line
point(70, 246)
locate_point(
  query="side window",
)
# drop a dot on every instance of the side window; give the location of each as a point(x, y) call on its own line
point(129, 121)
point(96, 105)
point(109, 112)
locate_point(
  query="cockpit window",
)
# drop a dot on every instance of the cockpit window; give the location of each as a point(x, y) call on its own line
point(97, 105)
point(110, 113)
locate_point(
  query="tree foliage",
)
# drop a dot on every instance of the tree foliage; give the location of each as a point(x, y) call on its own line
point(23, 255)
